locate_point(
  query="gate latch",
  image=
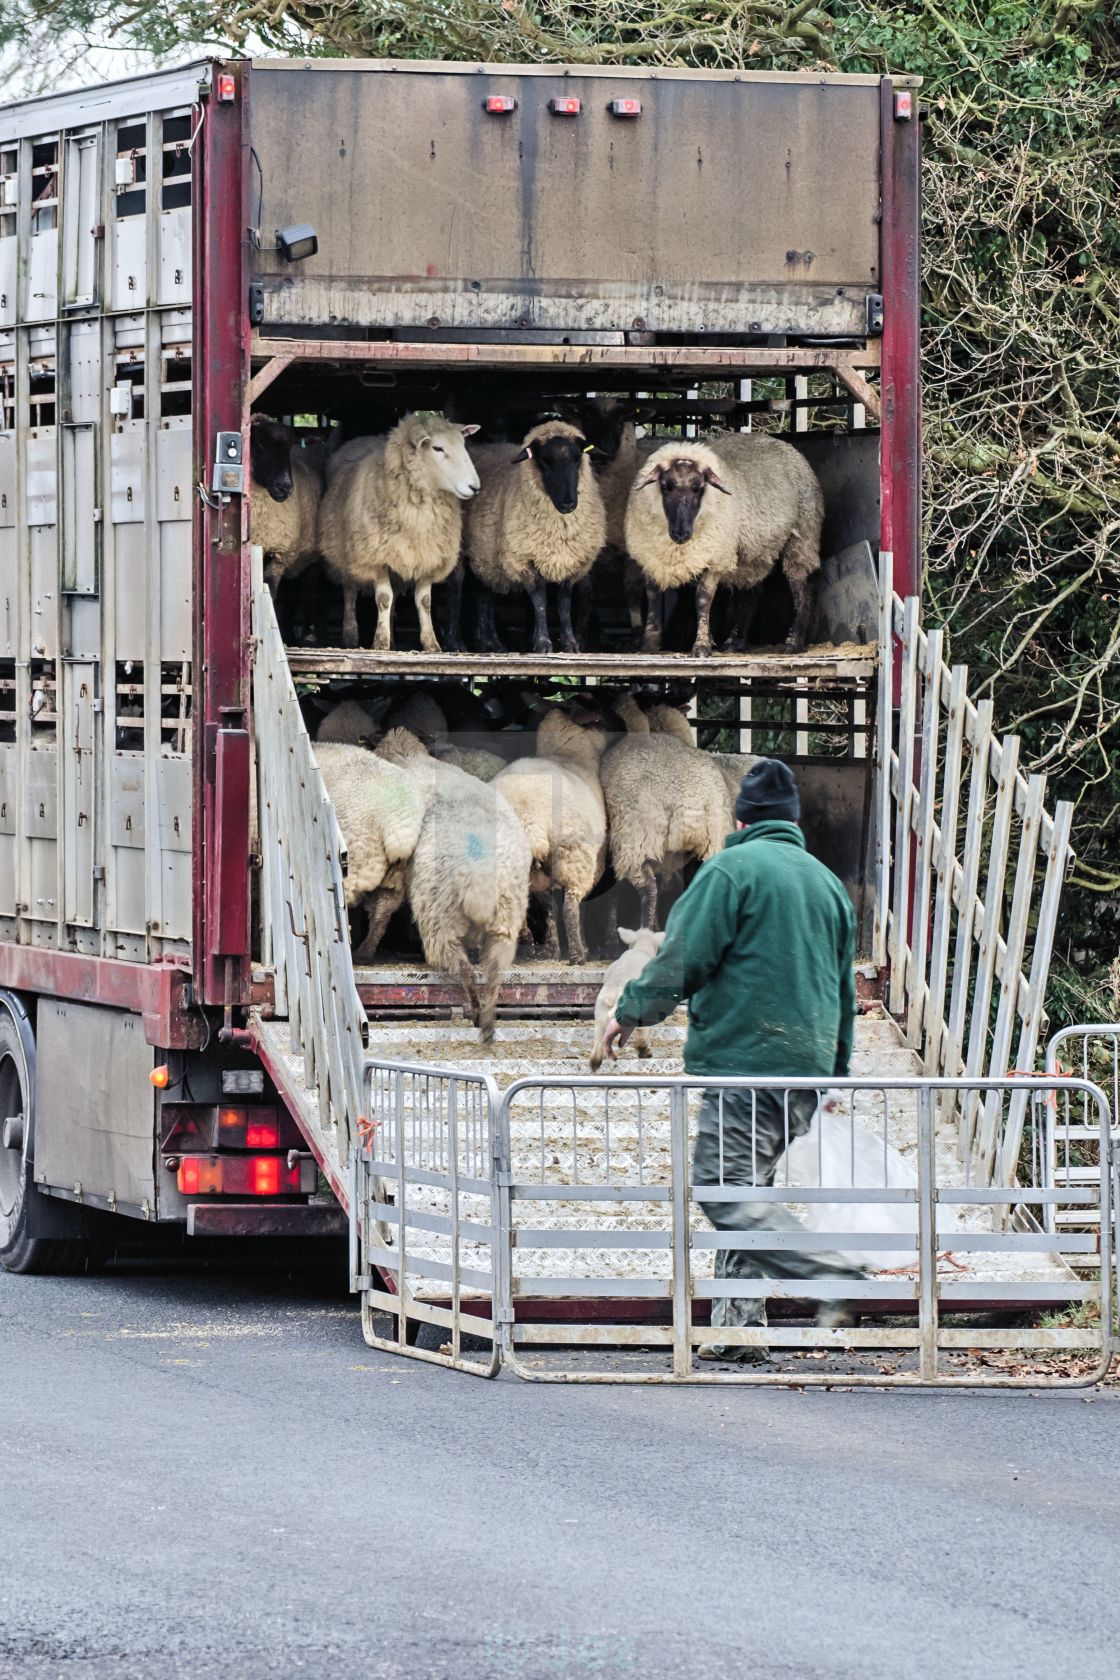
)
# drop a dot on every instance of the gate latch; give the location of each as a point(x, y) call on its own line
point(229, 474)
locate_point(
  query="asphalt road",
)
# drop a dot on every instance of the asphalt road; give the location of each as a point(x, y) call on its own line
point(207, 1473)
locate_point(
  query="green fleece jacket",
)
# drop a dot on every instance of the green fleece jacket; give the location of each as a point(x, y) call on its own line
point(763, 946)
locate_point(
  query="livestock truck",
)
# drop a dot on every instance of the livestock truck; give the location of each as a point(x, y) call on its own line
point(184, 1040)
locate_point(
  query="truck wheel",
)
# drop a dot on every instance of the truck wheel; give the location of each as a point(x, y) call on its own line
point(20, 1250)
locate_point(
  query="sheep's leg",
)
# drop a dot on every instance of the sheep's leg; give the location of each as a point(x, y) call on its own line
point(569, 642)
point(584, 601)
point(538, 594)
point(349, 615)
point(705, 595)
point(632, 594)
point(740, 633)
point(453, 596)
point(551, 949)
point(488, 639)
point(494, 958)
point(802, 588)
point(383, 594)
point(381, 906)
point(577, 950)
point(642, 1044)
point(651, 638)
point(649, 897)
point(612, 925)
point(429, 641)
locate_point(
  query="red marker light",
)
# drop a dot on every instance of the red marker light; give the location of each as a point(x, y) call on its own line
point(903, 105)
point(262, 1134)
point(564, 107)
point(227, 88)
point(625, 107)
point(499, 104)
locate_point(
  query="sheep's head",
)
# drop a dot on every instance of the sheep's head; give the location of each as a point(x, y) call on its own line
point(398, 745)
point(604, 421)
point(556, 451)
point(440, 452)
point(642, 939)
point(270, 456)
point(683, 481)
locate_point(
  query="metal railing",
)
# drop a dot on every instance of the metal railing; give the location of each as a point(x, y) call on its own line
point(589, 1233)
point(305, 936)
point(1071, 1153)
point(962, 832)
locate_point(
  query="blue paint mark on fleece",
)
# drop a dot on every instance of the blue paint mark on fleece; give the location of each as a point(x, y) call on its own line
point(475, 848)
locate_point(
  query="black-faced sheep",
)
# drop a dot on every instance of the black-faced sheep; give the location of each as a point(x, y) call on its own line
point(726, 513)
point(538, 519)
point(392, 512)
point(284, 494)
point(559, 799)
point(468, 877)
point(379, 811)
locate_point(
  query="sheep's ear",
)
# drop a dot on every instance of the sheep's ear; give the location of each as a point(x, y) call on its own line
point(469, 431)
point(712, 477)
point(525, 455)
point(654, 477)
point(424, 442)
point(628, 935)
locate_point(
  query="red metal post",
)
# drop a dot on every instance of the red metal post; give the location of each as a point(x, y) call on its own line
point(901, 438)
point(221, 825)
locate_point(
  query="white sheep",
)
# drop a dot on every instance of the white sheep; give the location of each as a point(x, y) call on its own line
point(348, 723)
point(392, 511)
point(727, 514)
point(559, 799)
point(468, 877)
point(538, 519)
point(644, 944)
point(379, 811)
point(666, 804)
point(284, 494)
point(667, 720)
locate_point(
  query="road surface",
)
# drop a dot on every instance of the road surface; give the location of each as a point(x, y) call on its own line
point(205, 1472)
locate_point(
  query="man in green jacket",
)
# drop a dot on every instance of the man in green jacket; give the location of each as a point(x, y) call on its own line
point(763, 946)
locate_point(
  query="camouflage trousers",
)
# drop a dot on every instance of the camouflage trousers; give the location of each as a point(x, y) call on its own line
point(742, 1137)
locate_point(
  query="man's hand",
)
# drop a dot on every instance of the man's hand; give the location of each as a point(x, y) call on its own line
point(615, 1039)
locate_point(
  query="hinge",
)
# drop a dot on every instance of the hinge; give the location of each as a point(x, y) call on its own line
point(874, 314)
point(256, 303)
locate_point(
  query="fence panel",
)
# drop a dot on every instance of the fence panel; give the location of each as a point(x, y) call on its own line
point(426, 1214)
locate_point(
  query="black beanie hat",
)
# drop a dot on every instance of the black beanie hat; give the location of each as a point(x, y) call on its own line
point(767, 793)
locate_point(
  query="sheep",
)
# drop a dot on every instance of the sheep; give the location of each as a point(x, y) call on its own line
point(476, 761)
point(348, 724)
point(643, 944)
point(667, 720)
point(468, 877)
point(392, 512)
point(379, 812)
point(609, 429)
point(666, 804)
point(559, 799)
point(284, 495)
point(768, 511)
point(538, 519)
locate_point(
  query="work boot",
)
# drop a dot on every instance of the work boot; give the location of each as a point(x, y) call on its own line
point(837, 1315)
point(717, 1353)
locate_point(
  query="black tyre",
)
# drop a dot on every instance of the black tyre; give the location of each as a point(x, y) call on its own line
point(21, 1249)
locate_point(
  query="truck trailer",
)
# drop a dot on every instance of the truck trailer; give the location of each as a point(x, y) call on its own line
point(185, 1042)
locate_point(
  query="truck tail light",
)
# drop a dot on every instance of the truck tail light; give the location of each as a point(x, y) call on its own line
point(903, 105)
point(499, 104)
point(625, 107)
point(227, 88)
point(245, 1175)
point(248, 1128)
point(566, 107)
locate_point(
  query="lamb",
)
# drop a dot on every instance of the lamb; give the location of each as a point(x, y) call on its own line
point(379, 811)
point(468, 877)
point(559, 799)
point(284, 495)
point(767, 511)
point(643, 945)
point(392, 512)
point(666, 804)
point(538, 519)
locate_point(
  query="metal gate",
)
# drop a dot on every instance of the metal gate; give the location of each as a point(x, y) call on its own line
point(566, 1220)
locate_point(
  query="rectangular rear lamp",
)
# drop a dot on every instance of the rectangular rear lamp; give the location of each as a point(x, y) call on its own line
point(625, 107)
point(903, 105)
point(245, 1175)
point(566, 107)
point(499, 104)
